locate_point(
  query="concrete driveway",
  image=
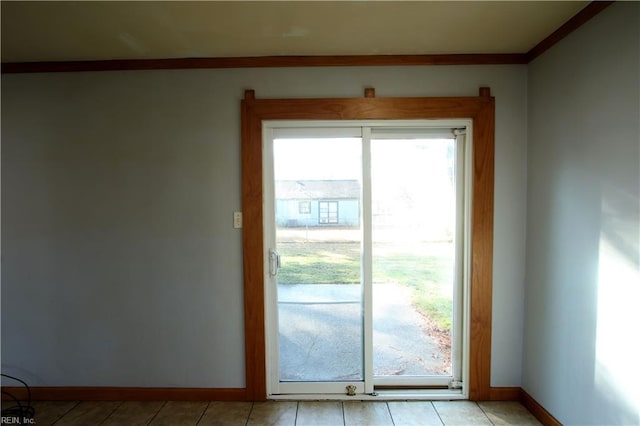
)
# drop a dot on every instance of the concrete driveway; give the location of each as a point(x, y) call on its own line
point(321, 333)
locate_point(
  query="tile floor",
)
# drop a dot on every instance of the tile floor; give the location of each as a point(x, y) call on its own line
point(325, 413)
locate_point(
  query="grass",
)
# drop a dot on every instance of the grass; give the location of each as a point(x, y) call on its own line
point(426, 269)
point(319, 263)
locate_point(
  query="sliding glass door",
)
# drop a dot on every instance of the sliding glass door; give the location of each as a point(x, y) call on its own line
point(316, 260)
point(364, 256)
point(414, 262)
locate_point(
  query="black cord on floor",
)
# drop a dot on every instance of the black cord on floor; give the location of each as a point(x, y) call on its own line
point(19, 410)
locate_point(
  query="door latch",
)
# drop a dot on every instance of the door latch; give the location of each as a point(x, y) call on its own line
point(274, 262)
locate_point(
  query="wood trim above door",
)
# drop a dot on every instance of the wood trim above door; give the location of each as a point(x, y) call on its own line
point(480, 109)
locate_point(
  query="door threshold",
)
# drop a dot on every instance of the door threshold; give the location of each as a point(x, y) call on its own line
point(383, 395)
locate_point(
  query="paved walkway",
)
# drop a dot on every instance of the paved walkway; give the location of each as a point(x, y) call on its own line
point(321, 333)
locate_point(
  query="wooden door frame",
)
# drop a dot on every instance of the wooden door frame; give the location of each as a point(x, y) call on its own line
point(480, 109)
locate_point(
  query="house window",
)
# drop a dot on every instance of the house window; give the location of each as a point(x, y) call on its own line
point(304, 207)
point(328, 212)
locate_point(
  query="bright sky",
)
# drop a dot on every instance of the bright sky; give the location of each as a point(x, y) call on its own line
point(314, 159)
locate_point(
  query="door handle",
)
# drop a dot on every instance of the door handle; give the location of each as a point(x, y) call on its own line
point(274, 262)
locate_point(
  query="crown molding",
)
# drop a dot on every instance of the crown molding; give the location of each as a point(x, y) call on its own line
point(591, 10)
point(261, 62)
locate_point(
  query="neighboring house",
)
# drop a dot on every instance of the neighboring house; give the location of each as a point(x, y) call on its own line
point(313, 203)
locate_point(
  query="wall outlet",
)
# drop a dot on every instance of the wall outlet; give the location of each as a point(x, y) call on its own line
point(237, 220)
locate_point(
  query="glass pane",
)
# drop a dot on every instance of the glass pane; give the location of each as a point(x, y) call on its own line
point(413, 227)
point(320, 311)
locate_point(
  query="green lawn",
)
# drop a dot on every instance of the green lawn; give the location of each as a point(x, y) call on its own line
point(426, 269)
point(319, 263)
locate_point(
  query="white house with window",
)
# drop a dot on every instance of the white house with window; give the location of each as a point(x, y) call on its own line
point(317, 203)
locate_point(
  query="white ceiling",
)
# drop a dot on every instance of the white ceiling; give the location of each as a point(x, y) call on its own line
point(66, 31)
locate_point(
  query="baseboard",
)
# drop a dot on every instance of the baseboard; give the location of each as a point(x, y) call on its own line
point(222, 394)
point(505, 394)
point(538, 411)
point(519, 394)
point(127, 394)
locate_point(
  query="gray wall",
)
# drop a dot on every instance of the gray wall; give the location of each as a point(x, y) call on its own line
point(120, 263)
point(583, 280)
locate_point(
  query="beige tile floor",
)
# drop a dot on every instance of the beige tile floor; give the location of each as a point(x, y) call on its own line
point(307, 413)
